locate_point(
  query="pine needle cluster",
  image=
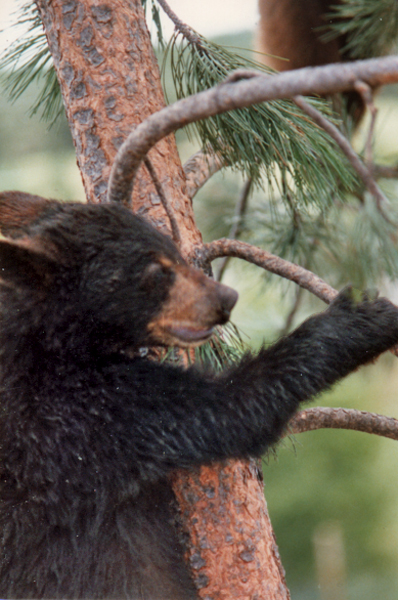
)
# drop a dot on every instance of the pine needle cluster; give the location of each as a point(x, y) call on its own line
point(370, 27)
point(28, 61)
point(225, 348)
point(155, 14)
point(312, 210)
point(274, 140)
point(349, 241)
point(271, 142)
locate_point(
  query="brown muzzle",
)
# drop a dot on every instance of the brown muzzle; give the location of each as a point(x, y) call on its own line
point(195, 305)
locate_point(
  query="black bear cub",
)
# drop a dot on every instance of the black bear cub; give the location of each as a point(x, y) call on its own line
point(90, 431)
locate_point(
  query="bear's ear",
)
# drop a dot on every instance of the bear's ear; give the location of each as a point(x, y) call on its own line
point(18, 211)
point(23, 263)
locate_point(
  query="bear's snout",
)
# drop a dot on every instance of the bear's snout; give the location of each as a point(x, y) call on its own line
point(195, 305)
point(227, 298)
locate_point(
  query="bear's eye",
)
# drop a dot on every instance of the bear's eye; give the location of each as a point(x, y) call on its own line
point(157, 273)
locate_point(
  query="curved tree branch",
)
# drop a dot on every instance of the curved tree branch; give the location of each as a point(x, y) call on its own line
point(343, 418)
point(345, 146)
point(189, 34)
point(272, 263)
point(199, 168)
point(293, 311)
point(385, 171)
point(238, 94)
point(166, 204)
point(366, 93)
point(236, 227)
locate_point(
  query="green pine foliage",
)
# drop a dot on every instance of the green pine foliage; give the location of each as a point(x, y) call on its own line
point(370, 27)
point(225, 348)
point(350, 242)
point(28, 61)
point(312, 210)
point(271, 142)
point(155, 14)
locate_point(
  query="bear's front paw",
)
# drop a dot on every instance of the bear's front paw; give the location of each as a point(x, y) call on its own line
point(367, 313)
point(350, 298)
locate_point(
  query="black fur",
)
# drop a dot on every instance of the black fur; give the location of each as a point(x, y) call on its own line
point(89, 436)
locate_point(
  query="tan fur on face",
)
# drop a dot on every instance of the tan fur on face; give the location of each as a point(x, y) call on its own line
point(193, 305)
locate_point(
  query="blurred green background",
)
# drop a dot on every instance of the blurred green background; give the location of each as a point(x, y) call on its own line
point(332, 495)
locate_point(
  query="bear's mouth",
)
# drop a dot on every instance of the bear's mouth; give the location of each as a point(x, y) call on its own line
point(190, 335)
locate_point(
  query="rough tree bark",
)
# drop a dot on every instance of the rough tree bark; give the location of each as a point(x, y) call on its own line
point(232, 553)
point(110, 81)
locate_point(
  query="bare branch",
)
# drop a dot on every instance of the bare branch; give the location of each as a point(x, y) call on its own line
point(324, 80)
point(199, 168)
point(343, 143)
point(366, 93)
point(185, 30)
point(235, 230)
point(293, 311)
point(384, 171)
point(268, 261)
point(240, 74)
point(343, 418)
point(166, 205)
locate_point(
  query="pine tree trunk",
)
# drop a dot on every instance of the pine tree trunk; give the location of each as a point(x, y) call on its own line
point(110, 81)
point(232, 553)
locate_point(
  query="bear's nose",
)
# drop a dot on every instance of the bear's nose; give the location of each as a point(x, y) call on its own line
point(227, 298)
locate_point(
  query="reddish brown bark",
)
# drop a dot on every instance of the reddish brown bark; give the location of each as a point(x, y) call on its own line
point(110, 82)
point(241, 89)
point(272, 263)
point(343, 418)
point(199, 168)
point(233, 553)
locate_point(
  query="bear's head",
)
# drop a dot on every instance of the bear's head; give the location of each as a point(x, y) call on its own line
point(100, 278)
